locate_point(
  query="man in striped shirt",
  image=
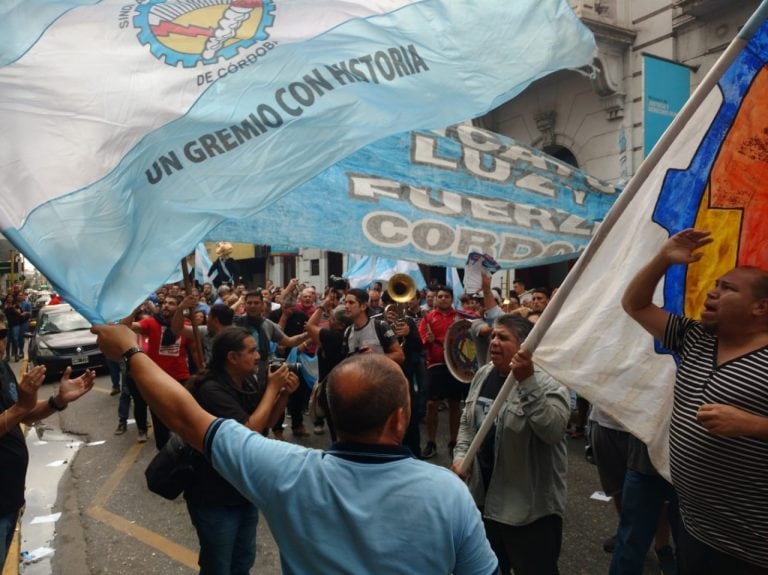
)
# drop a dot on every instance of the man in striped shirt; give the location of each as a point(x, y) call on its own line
point(719, 427)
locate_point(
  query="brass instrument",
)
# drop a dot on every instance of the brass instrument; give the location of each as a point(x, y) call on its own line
point(402, 289)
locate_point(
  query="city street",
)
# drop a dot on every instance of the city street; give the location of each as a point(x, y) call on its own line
point(112, 524)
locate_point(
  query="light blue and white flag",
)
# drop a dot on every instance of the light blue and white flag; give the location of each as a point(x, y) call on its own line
point(202, 263)
point(435, 197)
point(367, 269)
point(130, 131)
point(453, 281)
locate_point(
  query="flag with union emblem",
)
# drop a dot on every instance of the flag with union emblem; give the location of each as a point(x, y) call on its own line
point(129, 131)
point(708, 171)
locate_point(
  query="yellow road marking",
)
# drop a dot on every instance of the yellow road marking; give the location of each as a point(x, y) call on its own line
point(170, 548)
point(96, 510)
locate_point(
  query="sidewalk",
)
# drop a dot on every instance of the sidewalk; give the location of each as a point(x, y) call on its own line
point(50, 454)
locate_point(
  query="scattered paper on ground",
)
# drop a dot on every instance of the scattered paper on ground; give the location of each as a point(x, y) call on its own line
point(52, 518)
point(36, 554)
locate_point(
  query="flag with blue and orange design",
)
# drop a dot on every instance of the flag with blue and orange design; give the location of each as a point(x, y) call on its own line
point(708, 171)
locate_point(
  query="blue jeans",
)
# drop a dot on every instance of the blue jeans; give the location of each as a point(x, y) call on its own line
point(13, 350)
point(642, 498)
point(7, 528)
point(227, 537)
point(130, 391)
point(114, 373)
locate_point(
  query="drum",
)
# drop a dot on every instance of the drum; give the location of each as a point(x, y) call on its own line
point(460, 352)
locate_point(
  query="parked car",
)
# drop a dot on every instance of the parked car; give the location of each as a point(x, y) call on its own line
point(62, 338)
point(39, 300)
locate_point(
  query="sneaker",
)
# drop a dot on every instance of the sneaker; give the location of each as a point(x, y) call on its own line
point(319, 430)
point(114, 391)
point(666, 557)
point(122, 427)
point(142, 437)
point(429, 451)
point(609, 544)
point(300, 431)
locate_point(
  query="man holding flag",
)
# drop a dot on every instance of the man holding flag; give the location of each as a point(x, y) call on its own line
point(719, 426)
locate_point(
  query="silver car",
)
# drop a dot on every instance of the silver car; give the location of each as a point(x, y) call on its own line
point(62, 338)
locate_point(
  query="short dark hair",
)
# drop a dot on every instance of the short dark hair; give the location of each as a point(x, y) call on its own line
point(254, 293)
point(360, 294)
point(378, 389)
point(760, 282)
point(519, 326)
point(445, 289)
point(224, 314)
point(543, 290)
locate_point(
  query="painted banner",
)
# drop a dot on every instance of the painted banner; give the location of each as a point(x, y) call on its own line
point(666, 88)
point(435, 197)
point(709, 173)
point(130, 130)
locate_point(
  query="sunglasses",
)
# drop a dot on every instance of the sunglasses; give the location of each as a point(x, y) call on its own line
point(3, 333)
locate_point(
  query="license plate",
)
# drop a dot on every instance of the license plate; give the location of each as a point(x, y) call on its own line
point(79, 359)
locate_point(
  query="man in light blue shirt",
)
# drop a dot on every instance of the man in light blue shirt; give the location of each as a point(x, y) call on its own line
point(364, 506)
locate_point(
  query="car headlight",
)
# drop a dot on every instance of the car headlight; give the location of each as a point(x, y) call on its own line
point(43, 350)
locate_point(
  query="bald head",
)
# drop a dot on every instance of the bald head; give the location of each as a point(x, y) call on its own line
point(363, 392)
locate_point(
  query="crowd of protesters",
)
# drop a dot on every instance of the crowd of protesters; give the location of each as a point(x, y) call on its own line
point(240, 349)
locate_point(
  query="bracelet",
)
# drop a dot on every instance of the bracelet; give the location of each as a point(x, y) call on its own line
point(53, 406)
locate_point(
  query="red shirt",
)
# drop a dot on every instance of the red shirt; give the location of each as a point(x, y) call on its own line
point(439, 322)
point(171, 358)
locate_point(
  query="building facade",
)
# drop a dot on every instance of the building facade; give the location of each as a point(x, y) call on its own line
point(599, 122)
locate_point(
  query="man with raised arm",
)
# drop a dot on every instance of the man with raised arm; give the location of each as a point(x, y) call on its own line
point(382, 510)
point(719, 426)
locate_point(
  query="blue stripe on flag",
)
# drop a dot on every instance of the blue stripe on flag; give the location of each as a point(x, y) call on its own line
point(23, 22)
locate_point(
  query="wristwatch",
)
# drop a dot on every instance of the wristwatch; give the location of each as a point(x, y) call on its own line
point(127, 355)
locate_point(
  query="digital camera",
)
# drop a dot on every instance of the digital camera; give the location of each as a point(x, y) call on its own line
point(276, 362)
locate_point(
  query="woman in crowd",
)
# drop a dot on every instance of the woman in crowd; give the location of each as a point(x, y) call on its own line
point(14, 318)
point(225, 521)
point(518, 477)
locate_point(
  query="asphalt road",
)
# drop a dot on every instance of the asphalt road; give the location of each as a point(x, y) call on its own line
point(111, 524)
